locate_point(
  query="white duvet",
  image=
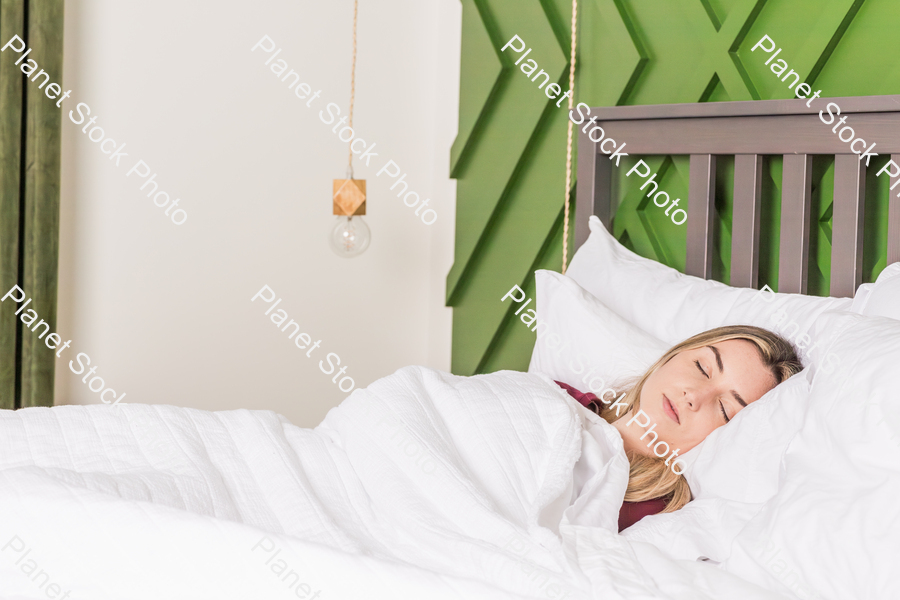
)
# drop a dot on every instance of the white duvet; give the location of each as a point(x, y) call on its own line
point(424, 485)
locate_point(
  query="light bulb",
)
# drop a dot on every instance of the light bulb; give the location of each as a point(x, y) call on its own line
point(350, 236)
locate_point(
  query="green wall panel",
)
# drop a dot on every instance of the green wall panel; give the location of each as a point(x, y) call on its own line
point(509, 158)
point(481, 68)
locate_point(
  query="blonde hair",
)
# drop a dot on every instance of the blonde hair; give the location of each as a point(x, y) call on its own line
point(649, 477)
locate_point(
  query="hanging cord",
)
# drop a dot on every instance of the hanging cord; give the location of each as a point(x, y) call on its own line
point(352, 91)
point(569, 141)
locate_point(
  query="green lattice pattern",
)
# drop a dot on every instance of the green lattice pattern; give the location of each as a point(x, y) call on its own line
point(509, 156)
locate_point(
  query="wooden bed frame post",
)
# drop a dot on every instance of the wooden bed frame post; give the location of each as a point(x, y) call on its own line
point(745, 220)
point(847, 219)
point(593, 192)
point(796, 200)
point(701, 207)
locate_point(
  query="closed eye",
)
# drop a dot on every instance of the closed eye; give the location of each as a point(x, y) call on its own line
point(697, 362)
point(721, 406)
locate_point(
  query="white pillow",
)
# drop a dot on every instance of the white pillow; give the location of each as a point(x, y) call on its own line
point(741, 461)
point(585, 344)
point(672, 306)
point(830, 530)
point(882, 298)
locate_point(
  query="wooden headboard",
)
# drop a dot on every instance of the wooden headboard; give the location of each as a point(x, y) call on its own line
point(750, 130)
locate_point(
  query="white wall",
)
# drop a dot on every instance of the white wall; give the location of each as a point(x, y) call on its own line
point(164, 311)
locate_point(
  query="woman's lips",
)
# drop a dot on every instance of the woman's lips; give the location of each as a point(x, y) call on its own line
point(670, 411)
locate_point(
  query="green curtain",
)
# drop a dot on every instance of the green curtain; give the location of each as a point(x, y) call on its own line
point(29, 198)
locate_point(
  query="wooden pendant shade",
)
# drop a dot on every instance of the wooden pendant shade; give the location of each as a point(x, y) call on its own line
point(349, 197)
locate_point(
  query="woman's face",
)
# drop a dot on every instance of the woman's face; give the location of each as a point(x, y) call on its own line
point(699, 390)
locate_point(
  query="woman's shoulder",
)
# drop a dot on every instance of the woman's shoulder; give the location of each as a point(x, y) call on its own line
point(586, 399)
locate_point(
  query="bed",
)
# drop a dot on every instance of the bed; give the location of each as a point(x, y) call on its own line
point(429, 485)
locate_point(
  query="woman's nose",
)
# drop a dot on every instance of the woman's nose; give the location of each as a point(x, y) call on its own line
point(695, 399)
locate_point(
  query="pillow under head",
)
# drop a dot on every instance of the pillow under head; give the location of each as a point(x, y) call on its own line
point(830, 530)
point(741, 460)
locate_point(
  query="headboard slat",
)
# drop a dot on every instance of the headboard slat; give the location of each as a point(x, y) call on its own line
point(701, 206)
point(796, 196)
point(745, 221)
point(847, 225)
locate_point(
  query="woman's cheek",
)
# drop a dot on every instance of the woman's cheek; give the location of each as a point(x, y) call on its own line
point(688, 438)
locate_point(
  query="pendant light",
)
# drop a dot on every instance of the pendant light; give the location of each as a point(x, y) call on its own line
point(350, 236)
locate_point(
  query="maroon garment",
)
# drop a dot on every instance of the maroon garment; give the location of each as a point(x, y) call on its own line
point(631, 512)
point(585, 398)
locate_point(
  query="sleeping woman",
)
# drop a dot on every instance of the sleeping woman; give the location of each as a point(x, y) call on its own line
point(698, 385)
point(420, 469)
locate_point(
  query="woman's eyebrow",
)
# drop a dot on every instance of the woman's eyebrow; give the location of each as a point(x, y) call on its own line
point(718, 358)
point(721, 370)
